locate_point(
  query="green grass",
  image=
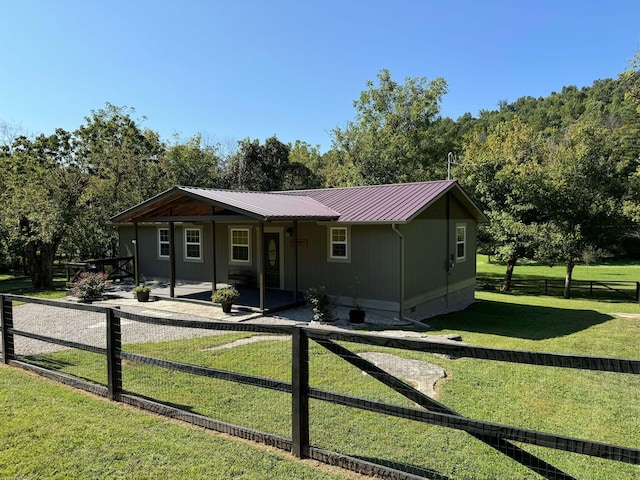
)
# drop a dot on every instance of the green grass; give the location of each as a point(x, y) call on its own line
point(626, 270)
point(51, 431)
point(22, 286)
point(596, 406)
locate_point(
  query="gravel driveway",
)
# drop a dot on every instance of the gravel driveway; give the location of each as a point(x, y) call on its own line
point(89, 328)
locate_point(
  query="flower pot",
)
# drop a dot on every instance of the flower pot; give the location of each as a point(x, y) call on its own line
point(226, 307)
point(356, 316)
point(142, 296)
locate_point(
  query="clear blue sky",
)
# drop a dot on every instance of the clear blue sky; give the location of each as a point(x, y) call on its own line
point(238, 68)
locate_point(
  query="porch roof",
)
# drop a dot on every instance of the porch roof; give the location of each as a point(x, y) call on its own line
point(190, 202)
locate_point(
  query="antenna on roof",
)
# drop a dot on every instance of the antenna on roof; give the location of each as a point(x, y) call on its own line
point(451, 158)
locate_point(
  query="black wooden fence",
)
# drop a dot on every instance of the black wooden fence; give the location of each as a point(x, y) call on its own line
point(619, 289)
point(427, 410)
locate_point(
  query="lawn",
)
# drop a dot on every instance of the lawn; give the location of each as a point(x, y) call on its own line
point(22, 286)
point(597, 406)
point(52, 431)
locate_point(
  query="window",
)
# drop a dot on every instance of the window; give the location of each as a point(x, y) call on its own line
point(240, 245)
point(338, 243)
point(192, 247)
point(164, 248)
point(461, 242)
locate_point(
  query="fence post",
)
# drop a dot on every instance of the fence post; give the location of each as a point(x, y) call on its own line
point(6, 323)
point(114, 364)
point(300, 392)
point(638, 292)
point(546, 286)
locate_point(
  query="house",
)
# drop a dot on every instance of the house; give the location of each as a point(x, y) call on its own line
point(400, 250)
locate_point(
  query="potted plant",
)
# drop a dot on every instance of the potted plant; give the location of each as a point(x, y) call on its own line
point(142, 293)
point(225, 297)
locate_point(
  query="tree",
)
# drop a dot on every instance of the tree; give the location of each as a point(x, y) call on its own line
point(391, 138)
point(583, 193)
point(44, 182)
point(267, 168)
point(192, 163)
point(124, 162)
point(503, 171)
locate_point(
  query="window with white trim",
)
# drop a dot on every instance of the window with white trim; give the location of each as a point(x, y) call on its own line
point(240, 247)
point(164, 247)
point(461, 242)
point(339, 243)
point(192, 244)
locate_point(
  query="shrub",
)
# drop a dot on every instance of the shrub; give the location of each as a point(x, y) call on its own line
point(89, 285)
point(319, 302)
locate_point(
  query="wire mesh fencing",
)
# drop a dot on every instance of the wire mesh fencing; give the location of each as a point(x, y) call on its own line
point(379, 405)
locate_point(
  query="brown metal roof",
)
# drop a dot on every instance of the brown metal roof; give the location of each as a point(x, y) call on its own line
point(387, 203)
point(397, 203)
point(267, 205)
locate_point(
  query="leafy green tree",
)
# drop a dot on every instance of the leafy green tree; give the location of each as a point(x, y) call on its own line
point(267, 168)
point(391, 138)
point(192, 163)
point(124, 162)
point(503, 172)
point(583, 194)
point(43, 186)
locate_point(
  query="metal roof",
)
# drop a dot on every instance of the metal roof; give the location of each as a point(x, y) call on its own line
point(268, 205)
point(399, 202)
point(396, 203)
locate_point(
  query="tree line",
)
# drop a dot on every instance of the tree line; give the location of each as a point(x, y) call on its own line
point(558, 176)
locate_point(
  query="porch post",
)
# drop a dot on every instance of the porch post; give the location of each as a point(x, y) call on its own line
point(260, 261)
point(136, 253)
point(295, 261)
point(214, 281)
point(172, 260)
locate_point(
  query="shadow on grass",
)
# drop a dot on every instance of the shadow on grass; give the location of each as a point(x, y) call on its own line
point(520, 321)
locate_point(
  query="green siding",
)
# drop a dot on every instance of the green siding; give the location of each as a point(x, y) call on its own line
point(374, 262)
point(428, 250)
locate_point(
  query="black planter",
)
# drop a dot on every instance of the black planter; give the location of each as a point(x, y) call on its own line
point(356, 316)
point(142, 296)
point(226, 307)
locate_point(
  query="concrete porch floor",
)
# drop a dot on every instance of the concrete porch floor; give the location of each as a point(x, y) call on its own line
point(200, 292)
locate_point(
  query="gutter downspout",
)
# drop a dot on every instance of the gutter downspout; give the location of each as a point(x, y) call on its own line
point(395, 229)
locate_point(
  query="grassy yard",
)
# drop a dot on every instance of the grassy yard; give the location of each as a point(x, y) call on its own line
point(51, 431)
point(597, 406)
point(22, 286)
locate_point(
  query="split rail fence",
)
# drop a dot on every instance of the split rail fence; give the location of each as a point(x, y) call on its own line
point(102, 331)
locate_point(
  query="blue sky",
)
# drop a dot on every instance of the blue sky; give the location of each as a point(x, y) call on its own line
point(241, 68)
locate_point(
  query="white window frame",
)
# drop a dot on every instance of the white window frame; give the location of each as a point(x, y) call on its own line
point(463, 242)
point(235, 261)
point(187, 243)
point(163, 242)
point(331, 242)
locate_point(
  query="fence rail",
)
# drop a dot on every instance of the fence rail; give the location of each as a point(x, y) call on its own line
point(627, 289)
point(115, 268)
point(427, 410)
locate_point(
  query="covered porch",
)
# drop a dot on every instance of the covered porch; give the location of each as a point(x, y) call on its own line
point(247, 239)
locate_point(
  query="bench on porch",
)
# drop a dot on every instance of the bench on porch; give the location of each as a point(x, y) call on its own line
point(241, 277)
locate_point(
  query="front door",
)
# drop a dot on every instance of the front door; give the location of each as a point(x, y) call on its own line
point(272, 259)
